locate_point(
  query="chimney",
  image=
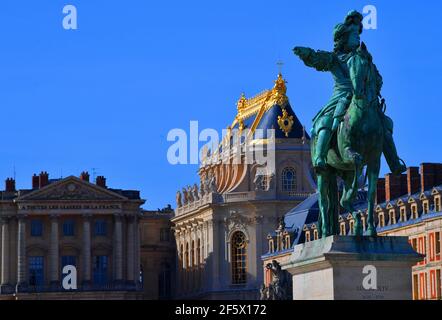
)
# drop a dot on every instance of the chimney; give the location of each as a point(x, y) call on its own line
point(35, 181)
point(44, 179)
point(380, 191)
point(431, 175)
point(413, 180)
point(84, 176)
point(101, 181)
point(395, 186)
point(9, 185)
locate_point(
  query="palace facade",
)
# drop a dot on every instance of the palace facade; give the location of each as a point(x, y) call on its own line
point(69, 221)
point(221, 226)
point(408, 205)
point(158, 254)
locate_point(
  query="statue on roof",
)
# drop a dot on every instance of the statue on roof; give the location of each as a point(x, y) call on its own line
point(351, 131)
point(178, 199)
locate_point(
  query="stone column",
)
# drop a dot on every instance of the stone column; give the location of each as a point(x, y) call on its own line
point(21, 253)
point(130, 249)
point(118, 249)
point(5, 252)
point(86, 250)
point(54, 270)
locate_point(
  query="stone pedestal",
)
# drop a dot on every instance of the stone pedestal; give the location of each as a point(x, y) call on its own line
point(353, 268)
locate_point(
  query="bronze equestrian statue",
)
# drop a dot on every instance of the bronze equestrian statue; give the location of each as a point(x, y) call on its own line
point(351, 131)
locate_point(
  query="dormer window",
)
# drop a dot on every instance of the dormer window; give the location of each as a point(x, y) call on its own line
point(425, 206)
point(437, 204)
point(403, 213)
point(381, 218)
point(287, 242)
point(342, 229)
point(352, 224)
point(307, 236)
point(414, 213)
point(392, 217)
point(271, 246)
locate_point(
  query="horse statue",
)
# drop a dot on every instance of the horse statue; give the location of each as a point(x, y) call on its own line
point(351, 131)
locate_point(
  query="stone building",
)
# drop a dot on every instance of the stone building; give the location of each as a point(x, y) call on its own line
point(69, 221)
point(158, 252)
point(221, 225)
point(407, 205)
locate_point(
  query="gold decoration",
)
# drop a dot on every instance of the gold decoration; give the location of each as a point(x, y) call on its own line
point(242, 103)
point(285, 122)
point(279, 91)
point(241, 125)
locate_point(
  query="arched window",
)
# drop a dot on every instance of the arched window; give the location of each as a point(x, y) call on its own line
point(239, 258)
point(288, 179)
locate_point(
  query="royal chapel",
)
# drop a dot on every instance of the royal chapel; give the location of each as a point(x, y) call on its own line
point(221, 226)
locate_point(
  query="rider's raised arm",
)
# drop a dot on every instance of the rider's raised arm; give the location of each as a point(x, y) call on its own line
point(356, 71)
point(320, 60)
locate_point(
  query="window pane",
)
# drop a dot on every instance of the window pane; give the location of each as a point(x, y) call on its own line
point(239, 258)
point(100, 269)
point(289, 179)
point(100, 228)
point(36, 228)
point(68, 228)
point(36, 271)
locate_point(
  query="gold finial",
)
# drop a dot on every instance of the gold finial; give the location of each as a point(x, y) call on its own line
point(279, 91)
point(242, 102)
point(285, 122)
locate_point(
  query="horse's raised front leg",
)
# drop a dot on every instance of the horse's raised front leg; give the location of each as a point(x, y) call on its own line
point(372, 174)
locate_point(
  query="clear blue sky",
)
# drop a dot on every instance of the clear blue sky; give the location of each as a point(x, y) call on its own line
point(105, 96)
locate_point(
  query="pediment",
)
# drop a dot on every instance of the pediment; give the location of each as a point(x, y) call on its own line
point(71, 188)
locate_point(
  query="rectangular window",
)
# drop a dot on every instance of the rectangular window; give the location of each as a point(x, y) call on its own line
point(438, 284)
point(100, 228)
point(415, 287)
point(414, 211)
point(437, 207)
point(431, 249)
point(100, 269)
point(433, 284)
point(68, 228)
point(425, 207)
point(437, 245)
point(36, 228)
point(422, 286)
point(403, 214)
point(36, 271)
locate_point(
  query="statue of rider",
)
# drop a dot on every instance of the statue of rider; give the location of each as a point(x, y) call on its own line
point(325, 123)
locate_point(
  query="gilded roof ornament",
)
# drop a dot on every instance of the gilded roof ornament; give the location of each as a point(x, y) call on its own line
point(285, 122)
point(279, 91)
point(242, 103)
